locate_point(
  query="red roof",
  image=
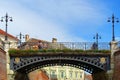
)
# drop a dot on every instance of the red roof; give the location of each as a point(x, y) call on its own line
point(9, 35)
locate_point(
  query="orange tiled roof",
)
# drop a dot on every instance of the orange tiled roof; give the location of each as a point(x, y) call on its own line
point(9, 35)
point(35, 40)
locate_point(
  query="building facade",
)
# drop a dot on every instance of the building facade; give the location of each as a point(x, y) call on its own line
point(12, 42)
point(64, 73)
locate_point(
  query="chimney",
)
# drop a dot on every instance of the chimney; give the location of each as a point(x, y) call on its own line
point(54, 40)
point(26, 37)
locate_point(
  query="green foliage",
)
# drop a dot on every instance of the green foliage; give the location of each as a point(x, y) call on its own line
point(15, 51)
point(98, 51)
point(43, 51)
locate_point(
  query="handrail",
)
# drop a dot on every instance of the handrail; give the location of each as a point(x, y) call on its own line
point(65, 45)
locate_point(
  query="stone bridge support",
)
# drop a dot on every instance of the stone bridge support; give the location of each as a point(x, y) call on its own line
point(114, 48)
point(100, 76)
point(9, 72)
point(21, 76)
point(116, 75)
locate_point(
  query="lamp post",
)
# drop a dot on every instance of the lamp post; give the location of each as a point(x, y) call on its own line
point(20, 37)
point(113, 20)
point(96, 37)
point(6, 18)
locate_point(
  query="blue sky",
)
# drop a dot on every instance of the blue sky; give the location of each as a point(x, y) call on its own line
point(66, 20)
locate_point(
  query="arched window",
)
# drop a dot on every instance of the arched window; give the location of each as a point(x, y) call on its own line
point(76, 74)
point(70, 74)
point(81, 74)
point(62, 74)
point(53, 73)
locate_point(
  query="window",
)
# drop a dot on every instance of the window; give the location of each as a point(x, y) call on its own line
point(52, 72)
point(53, 75)
point(62, 74)
point(70, 74)
point(81, 74)
point(76, 74)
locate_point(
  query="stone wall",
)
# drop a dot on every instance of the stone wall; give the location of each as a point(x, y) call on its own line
point(116, 75)
point(3, 70)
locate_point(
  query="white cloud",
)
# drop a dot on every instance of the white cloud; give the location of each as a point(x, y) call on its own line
point(47, 19)
point(117, 38)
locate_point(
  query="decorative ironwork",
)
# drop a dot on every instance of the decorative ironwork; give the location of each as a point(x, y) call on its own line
point(6, 18)
point(66, 45)
point(113, 19)
point(17, 60)
point(89, 63)
point(21, 36)
point(96, 37)
point(102, 60)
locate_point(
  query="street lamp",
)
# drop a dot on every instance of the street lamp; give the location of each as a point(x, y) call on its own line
point(113, 20)
point(6, 18)
point(20, 37)
point(96, 37)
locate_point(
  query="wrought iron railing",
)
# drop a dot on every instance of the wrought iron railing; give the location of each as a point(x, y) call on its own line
point(66, 45)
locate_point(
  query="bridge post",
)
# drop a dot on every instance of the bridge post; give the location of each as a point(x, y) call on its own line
point(6, 48)
point(113, 48)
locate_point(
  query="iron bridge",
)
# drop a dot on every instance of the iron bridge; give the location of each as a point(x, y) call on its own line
point(90, 63)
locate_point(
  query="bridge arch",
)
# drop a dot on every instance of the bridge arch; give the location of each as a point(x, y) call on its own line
point(89, 63)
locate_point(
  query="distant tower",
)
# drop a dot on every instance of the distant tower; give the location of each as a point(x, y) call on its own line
point(26, 37)
point(54, 40)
